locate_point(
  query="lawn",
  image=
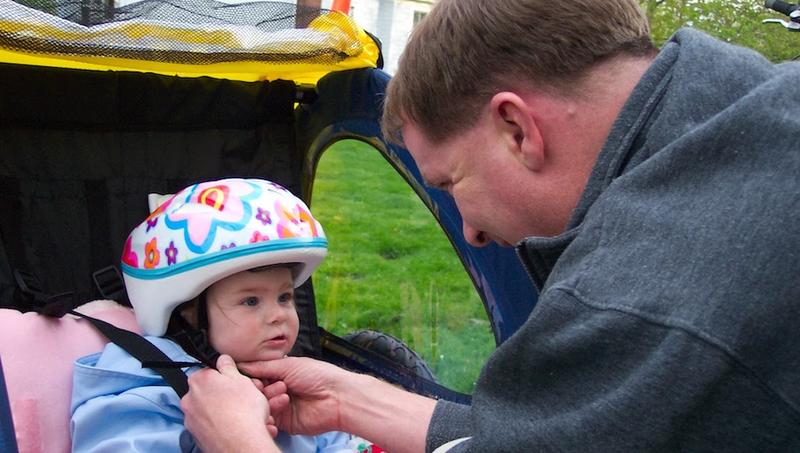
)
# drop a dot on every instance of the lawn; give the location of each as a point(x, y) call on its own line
point(391, 268)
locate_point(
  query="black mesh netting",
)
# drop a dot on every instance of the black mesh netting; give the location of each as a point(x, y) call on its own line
point(175, 31)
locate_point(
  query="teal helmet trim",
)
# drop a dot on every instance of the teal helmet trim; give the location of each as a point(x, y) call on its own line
point(223, 255)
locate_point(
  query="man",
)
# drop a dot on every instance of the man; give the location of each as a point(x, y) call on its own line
point(655, 201)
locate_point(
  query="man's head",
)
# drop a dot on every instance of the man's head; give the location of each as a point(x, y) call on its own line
point(464, 51)
point(506, 104)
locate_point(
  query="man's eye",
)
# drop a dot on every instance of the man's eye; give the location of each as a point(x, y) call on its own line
point(250, 301)
point(286, 297)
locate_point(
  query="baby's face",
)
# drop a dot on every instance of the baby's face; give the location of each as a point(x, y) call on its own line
point(251, 315)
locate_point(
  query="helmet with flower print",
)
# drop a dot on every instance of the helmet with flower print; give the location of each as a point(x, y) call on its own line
point(209, 231)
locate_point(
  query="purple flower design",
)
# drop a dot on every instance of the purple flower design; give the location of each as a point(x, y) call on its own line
point(228, 246)
point(172, 253)
point(263, 216)
point(151, 223)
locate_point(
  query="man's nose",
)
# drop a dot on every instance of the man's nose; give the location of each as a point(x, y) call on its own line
point(474, 237)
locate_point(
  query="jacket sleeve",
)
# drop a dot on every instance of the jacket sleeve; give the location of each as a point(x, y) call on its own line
point(450, 421)
point(582, 377)
point(143, 419)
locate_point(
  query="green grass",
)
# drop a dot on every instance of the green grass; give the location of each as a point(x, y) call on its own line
point(391, 268)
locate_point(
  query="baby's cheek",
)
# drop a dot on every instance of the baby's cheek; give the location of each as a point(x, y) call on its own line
point(227, 344)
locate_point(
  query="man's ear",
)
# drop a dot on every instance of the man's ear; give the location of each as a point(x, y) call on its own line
point(513, 119)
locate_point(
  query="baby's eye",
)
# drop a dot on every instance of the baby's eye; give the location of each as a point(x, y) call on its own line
point(250, 301)
point(286, 297)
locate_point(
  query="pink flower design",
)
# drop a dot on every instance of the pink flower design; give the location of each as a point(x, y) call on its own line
point(258, 237)
point(212, 205)
point(129, 257)
point(294, 222)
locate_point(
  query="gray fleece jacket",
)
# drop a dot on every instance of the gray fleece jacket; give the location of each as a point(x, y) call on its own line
point(669, 315)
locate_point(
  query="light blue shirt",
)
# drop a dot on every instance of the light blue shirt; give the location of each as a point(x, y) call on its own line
point(118, 406)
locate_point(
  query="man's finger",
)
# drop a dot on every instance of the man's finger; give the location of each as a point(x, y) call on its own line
point(271, 428)
point(227, 366)
point(275, 389)
point(278, 403)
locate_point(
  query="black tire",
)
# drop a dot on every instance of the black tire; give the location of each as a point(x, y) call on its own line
point(393, 349)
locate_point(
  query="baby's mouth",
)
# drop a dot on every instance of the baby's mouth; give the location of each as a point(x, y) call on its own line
point(276, 340)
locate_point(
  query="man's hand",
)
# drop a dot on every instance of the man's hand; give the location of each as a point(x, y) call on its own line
point(273, 430)
point(312, 403)
point(307, 396)
point(226, 412)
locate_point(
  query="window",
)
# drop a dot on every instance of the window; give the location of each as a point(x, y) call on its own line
point(391, 268)
point(418, 16)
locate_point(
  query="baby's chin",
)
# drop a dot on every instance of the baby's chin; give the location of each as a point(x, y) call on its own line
point(261, 356)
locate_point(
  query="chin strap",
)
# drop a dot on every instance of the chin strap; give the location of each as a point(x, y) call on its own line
point(194, 341)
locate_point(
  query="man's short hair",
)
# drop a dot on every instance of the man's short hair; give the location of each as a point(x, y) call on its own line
point(465, 51)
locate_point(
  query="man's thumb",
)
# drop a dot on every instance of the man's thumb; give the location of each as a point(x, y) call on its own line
point(226, 365)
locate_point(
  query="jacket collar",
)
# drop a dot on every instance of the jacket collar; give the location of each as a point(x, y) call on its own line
point(621, 150)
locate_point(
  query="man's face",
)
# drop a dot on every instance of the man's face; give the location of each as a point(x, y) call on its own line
point(484, 181)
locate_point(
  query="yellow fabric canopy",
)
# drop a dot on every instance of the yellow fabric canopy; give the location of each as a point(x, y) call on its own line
point(331, 42)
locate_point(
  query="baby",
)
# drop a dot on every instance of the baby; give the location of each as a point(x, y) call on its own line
point(211, 271)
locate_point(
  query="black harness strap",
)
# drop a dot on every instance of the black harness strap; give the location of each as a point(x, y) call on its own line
point(30, 295)
point(194, 341)
point(146, 352)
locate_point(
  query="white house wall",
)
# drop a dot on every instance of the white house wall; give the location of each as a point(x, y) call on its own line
point(391, 21)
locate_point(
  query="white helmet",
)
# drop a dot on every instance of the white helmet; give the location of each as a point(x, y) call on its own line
point(209, 231)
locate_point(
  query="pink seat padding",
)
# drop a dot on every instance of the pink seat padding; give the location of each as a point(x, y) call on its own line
point(37, 354)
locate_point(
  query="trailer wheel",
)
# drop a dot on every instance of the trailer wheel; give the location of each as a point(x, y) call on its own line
point(393, 349)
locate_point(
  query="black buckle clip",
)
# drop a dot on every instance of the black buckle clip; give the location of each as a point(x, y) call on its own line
point(109, 284)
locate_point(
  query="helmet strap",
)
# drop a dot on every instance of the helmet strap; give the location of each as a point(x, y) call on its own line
point(202, 312)
point(195, 340)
